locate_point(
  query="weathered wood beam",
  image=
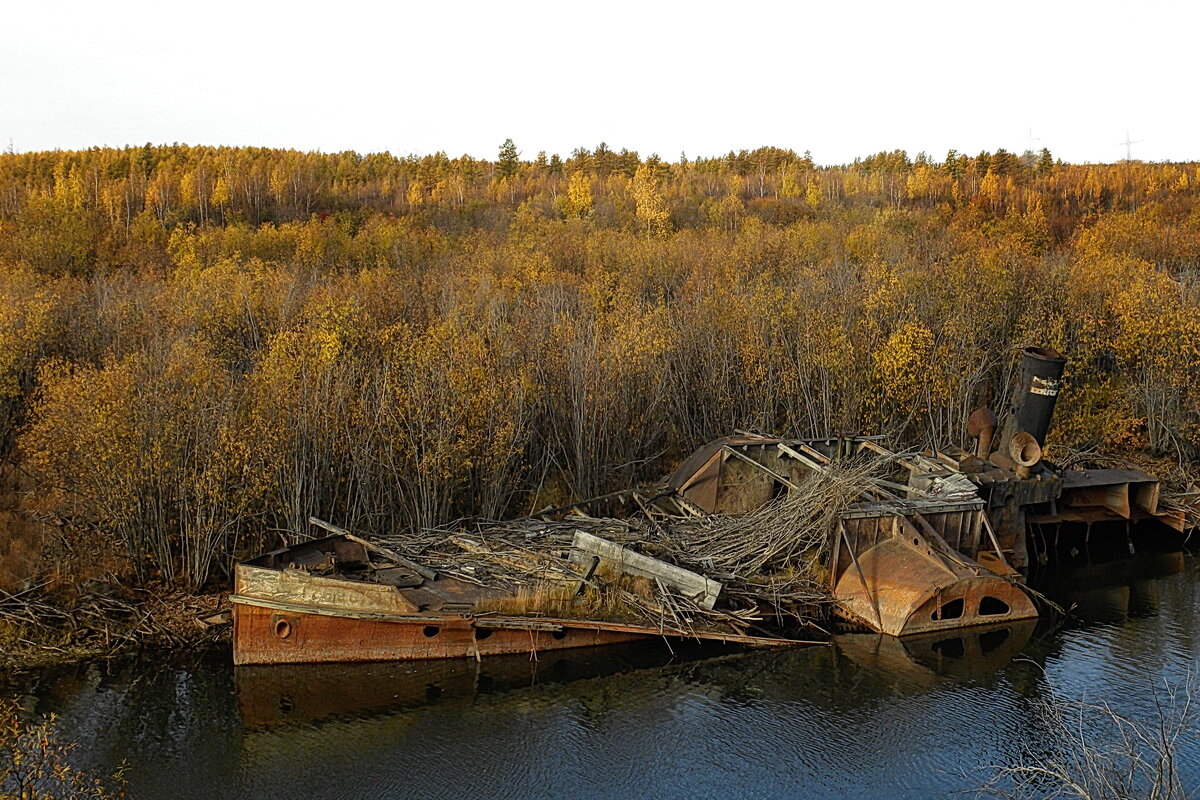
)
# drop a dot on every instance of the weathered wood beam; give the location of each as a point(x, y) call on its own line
point(692, 584)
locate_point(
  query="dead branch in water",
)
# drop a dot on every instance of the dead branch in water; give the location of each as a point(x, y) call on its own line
point(1100, 754)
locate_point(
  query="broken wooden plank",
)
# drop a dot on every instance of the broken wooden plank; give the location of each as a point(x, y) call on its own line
point(688, 508)
point(509, 623)
point(704, 591)
point(803, 459)
point(987, 523)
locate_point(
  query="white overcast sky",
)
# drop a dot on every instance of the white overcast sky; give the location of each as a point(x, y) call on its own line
point(842, 79)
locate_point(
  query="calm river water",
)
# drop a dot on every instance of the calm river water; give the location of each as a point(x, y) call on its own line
point(866, 717)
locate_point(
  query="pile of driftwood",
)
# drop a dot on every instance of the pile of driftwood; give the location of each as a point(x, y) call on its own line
point(1189, 501)
point(100, 623)
point(723, 572)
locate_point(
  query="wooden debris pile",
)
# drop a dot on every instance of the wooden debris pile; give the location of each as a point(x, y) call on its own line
point(685, 573)
point(1188, 501)
point(773, 556)
point(101, 623)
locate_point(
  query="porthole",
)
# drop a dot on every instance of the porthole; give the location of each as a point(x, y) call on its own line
point(482, 633)
point(283, 629)
point(558, 634)
point(951, 610)
point(992, 606)
point(431, 630)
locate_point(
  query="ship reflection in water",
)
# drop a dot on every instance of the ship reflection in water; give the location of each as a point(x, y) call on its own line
point(271, 695)
point(274, 694)
point(1114, 592)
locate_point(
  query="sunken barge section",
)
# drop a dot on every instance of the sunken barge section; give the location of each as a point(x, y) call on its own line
point(344, 599)
point(368, 608)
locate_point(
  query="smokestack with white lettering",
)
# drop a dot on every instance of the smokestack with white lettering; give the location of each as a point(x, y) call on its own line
point(1032, 407)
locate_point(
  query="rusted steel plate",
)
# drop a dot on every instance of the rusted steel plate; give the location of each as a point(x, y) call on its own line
point(269, 636)
point(898, 590)
point(270, 632)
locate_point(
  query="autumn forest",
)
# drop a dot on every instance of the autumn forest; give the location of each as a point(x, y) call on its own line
point(200, 347)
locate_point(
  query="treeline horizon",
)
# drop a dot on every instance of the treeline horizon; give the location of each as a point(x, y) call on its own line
point(200, 347)
point(1028, 156)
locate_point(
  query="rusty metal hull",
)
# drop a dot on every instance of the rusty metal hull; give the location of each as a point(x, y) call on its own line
point(285, 614)
point(903, 587)
point(292, 636)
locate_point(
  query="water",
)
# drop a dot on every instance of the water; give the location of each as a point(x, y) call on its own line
point(867, 717)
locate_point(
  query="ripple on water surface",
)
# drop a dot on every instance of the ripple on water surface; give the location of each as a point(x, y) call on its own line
point(865, 717)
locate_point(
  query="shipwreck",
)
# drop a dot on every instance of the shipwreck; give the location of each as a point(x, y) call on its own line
point(754, 540)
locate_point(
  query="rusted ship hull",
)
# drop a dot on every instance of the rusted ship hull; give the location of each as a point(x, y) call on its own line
point(285, 611)
point(293, 636)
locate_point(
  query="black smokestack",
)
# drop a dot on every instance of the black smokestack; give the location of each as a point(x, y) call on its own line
point(1033, 401)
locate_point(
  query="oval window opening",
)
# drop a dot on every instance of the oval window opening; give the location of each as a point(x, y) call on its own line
point(559, 634)
point(431, 630)
point(951, 610)
point(992, 606)
point(283, 628)
point(481, 633)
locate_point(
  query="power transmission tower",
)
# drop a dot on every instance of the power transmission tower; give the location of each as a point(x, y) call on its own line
point(1129, 143)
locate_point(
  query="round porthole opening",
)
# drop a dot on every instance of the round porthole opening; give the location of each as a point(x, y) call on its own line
point(283, 628)
point(431, 630)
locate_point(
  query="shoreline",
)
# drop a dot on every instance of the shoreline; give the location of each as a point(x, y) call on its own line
point(36, 632)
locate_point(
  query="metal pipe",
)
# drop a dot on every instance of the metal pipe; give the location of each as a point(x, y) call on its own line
point(982, 424)
point(984, 448)
point(1025, 452)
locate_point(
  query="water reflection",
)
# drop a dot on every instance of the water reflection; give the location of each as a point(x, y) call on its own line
point(273, 695)
point(865, 716)
point(1113, 592)
point(972, 654)
point(270, 695)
